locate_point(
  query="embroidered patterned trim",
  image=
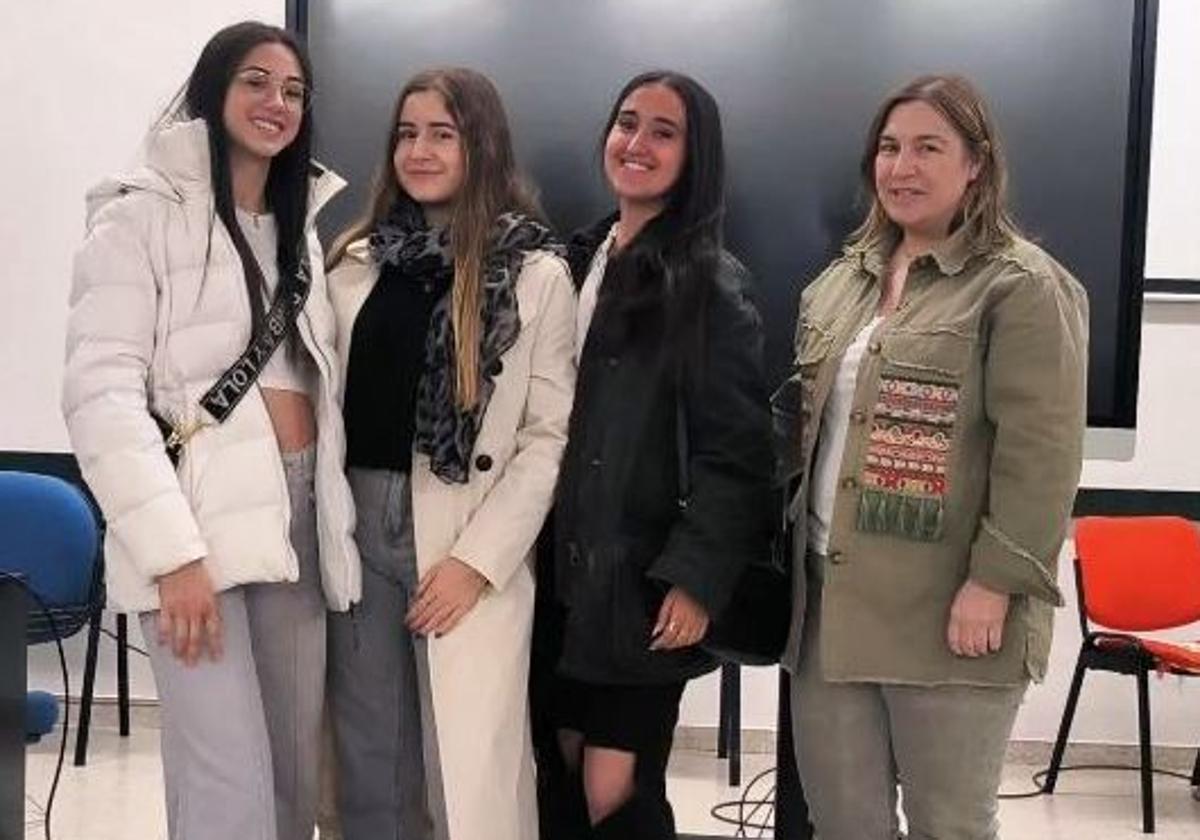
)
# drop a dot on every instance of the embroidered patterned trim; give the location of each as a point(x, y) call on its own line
point(904, 476)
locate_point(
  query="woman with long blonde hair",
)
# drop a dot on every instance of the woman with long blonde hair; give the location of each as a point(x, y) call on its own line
point(456, 324)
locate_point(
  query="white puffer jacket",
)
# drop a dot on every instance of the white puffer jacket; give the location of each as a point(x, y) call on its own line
point(159, 310)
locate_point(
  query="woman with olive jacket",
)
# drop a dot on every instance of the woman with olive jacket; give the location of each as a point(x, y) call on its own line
point(941, 368)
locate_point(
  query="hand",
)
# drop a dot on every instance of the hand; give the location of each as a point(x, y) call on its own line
point(448, 592)
point(188, 618)
point(681, 622)
point(976, 625)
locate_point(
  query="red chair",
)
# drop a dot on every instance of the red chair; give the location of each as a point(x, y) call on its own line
point(1133, 575)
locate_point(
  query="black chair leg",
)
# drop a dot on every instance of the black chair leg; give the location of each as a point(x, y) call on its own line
point(123, 673)
point(723, 715)
point(89, 685)
point(1143, 692)
point(1196, 771)
point(1064, 728)
point(734, 725)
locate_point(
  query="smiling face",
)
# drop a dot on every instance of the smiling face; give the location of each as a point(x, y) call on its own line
point(922, 170)
point(265, 102)
point(646, 145)
point(429, 158)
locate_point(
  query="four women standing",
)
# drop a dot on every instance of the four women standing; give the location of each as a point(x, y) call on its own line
point(940, 375)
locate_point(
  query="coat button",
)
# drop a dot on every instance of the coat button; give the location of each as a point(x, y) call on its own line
point(595, 462)
point(613, 361)
point(849, 482)
point(495, 368)
point(483, 463)
point(836, 558)
point(858, 416)
point(874, 347)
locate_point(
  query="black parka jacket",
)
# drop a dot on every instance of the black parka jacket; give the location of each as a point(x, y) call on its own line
point(622, 538)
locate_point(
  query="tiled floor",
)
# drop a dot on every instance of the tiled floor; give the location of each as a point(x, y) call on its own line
point(118, 796)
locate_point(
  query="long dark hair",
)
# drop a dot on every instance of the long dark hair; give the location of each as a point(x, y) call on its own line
point(671, 265)
point(287, 188)
point(493, 184)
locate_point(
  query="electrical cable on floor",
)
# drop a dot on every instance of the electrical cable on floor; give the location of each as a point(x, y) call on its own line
point(1039, 777)
point(62, 661)
point(128, 646)
point(744, 821)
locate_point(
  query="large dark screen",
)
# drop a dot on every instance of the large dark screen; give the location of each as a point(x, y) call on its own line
point(798, 81)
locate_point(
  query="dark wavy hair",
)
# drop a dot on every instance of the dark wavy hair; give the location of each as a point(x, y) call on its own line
point(287, 188)
point(670, 267)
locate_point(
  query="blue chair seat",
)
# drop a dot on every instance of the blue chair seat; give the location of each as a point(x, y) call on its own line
point(41, 714)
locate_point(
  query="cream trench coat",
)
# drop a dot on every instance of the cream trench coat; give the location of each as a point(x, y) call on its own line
point(478, 671)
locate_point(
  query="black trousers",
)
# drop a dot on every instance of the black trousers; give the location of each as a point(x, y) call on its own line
point(637, 719)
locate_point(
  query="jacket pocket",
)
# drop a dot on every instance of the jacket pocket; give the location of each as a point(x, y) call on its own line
point(907, 466)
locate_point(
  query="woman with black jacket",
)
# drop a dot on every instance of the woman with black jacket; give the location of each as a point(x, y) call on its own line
point(666, 339)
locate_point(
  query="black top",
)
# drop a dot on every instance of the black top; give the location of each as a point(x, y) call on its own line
point(387, 360)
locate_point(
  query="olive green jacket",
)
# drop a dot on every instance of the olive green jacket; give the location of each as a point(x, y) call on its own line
point(961, 461)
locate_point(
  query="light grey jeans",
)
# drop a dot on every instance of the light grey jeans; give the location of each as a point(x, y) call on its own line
point(241, 736)
point(855, 742)
point(388, 776)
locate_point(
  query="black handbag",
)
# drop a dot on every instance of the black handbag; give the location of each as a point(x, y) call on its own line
point(753, 628)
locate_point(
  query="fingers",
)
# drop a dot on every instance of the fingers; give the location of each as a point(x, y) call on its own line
point(433, 617)
point(678, 625)
point(447, 621)
point(194, 640)
point(214, 633)
point(974, 638)
point(423, 600)
point(426, 582)
point(165, 627)
point(442, 599)
point(664, 615)
point(190, 630)
point(995, 637)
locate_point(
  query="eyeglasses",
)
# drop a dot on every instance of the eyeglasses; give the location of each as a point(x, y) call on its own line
point(296, 95)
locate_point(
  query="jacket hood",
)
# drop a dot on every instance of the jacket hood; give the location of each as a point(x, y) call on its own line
point(173, 164)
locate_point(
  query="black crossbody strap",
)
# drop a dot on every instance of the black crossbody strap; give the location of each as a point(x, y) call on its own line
point(227, 392)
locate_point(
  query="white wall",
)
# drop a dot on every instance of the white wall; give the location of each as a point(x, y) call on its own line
point(81, 82)
point(1172, 246)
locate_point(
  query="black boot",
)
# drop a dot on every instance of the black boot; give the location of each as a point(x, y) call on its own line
point(562, 808)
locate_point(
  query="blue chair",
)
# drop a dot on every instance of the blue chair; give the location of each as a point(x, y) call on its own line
point(41, 714)
point(50, 536)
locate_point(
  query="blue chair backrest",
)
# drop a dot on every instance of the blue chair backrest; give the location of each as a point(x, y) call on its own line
point(49, 535)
